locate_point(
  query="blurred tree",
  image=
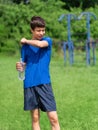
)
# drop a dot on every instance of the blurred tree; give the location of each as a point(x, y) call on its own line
point(80, 3)
point(17, 1)
point(26, 1)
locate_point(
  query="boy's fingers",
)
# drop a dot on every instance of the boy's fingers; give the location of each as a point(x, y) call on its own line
point(18, 65)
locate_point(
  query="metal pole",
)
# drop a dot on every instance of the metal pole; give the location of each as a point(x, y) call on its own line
point(88, 39)
point(88, 15)
point(70, 43)
point(93, 50)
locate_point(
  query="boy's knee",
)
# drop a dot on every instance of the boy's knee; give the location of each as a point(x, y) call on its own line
point(54, 120)
point(35, 118)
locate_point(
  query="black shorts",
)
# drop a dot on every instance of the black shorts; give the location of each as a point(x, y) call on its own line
point(39, 97)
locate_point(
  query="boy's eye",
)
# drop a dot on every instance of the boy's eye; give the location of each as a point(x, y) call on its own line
point(40, 30)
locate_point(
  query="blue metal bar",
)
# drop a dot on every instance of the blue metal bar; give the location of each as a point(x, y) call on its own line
point(64, 50)
point(71, 50)
point(93, 50)
point(87, 52)
point(88, 15)
point(69, 27)
point(69, 42)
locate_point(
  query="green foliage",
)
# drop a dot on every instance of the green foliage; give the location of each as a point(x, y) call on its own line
point(14, 19)
point(84, 4)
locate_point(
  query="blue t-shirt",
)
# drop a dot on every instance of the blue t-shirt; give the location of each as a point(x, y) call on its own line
point(37, 63)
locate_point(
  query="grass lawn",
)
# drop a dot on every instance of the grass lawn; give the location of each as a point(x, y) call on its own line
point(76, 92)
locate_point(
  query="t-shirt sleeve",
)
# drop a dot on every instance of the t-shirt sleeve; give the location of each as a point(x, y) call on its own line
point(49, 40)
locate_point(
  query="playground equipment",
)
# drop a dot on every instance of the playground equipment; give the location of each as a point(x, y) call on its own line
point(88, 41)
point(69, 42)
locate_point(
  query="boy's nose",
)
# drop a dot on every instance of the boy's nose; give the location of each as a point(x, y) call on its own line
point(41, 32)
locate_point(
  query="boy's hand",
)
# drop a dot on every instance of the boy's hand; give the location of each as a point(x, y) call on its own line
point(23, 41)
point(20, 67)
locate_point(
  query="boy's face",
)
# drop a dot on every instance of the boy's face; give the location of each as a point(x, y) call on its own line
point(38, 33)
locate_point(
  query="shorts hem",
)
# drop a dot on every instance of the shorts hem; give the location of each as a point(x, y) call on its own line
point(29, 109)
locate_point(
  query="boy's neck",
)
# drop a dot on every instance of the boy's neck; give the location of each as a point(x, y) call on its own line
point(35, 38)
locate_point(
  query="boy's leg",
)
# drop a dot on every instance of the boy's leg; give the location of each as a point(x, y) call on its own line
point(35, 116)
point(53, 120)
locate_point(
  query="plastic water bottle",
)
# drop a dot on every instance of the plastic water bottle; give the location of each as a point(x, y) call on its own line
point(21, 74)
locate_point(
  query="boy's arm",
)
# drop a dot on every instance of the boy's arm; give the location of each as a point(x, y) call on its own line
point(36, 43)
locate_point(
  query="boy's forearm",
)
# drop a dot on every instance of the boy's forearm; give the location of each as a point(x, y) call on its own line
point(36, 43)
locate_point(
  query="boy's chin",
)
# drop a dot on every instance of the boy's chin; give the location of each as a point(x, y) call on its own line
point(39, 38)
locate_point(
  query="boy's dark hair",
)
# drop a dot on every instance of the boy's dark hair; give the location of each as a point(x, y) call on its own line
point(37, 21)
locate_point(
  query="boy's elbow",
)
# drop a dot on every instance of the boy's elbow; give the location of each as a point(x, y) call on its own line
point(43, 44)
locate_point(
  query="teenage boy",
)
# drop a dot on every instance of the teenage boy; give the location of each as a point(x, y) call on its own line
point(38, 94)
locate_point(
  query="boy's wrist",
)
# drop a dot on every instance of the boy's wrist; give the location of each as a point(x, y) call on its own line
point(24, 41)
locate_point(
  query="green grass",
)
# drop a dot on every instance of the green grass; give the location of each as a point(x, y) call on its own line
point(76, 92)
